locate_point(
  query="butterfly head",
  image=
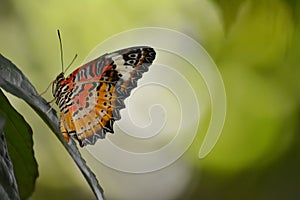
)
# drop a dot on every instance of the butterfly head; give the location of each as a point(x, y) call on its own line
point(56, 84)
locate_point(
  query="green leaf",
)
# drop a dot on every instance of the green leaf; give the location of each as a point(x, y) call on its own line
point(8, 184)
point(229, 11)
point(14, 82)
point(20, 147)
point(294, 6)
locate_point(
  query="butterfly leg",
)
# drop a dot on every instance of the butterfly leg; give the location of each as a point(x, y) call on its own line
point(42, 93)
point(51, 105)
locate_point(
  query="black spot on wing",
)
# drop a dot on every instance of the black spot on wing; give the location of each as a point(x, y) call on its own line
point(148, 55)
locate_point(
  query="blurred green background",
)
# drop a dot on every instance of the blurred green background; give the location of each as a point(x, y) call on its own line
point(256, 46)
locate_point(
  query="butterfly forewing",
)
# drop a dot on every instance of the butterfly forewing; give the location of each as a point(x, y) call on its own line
point(92, 96)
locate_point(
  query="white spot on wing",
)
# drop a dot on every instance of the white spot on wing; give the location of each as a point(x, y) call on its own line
point(118, 60)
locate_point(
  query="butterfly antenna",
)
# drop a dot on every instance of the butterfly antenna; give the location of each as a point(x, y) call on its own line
point(44, 92)
point(61, 51)
point(71, 62)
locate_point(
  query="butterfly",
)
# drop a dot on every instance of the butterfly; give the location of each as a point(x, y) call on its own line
point(91, 97)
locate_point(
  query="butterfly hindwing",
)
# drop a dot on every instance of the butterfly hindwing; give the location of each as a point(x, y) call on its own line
point(96, 92)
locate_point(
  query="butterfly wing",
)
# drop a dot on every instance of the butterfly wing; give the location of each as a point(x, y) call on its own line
point(99, 89)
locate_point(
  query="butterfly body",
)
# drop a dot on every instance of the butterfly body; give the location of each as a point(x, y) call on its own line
point(90, 98)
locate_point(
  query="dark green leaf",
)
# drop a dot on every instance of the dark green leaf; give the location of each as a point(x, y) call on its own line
point(229, 11)
point(8, 184)
point(20, 147)
point(14, 81)
point(294, 6)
